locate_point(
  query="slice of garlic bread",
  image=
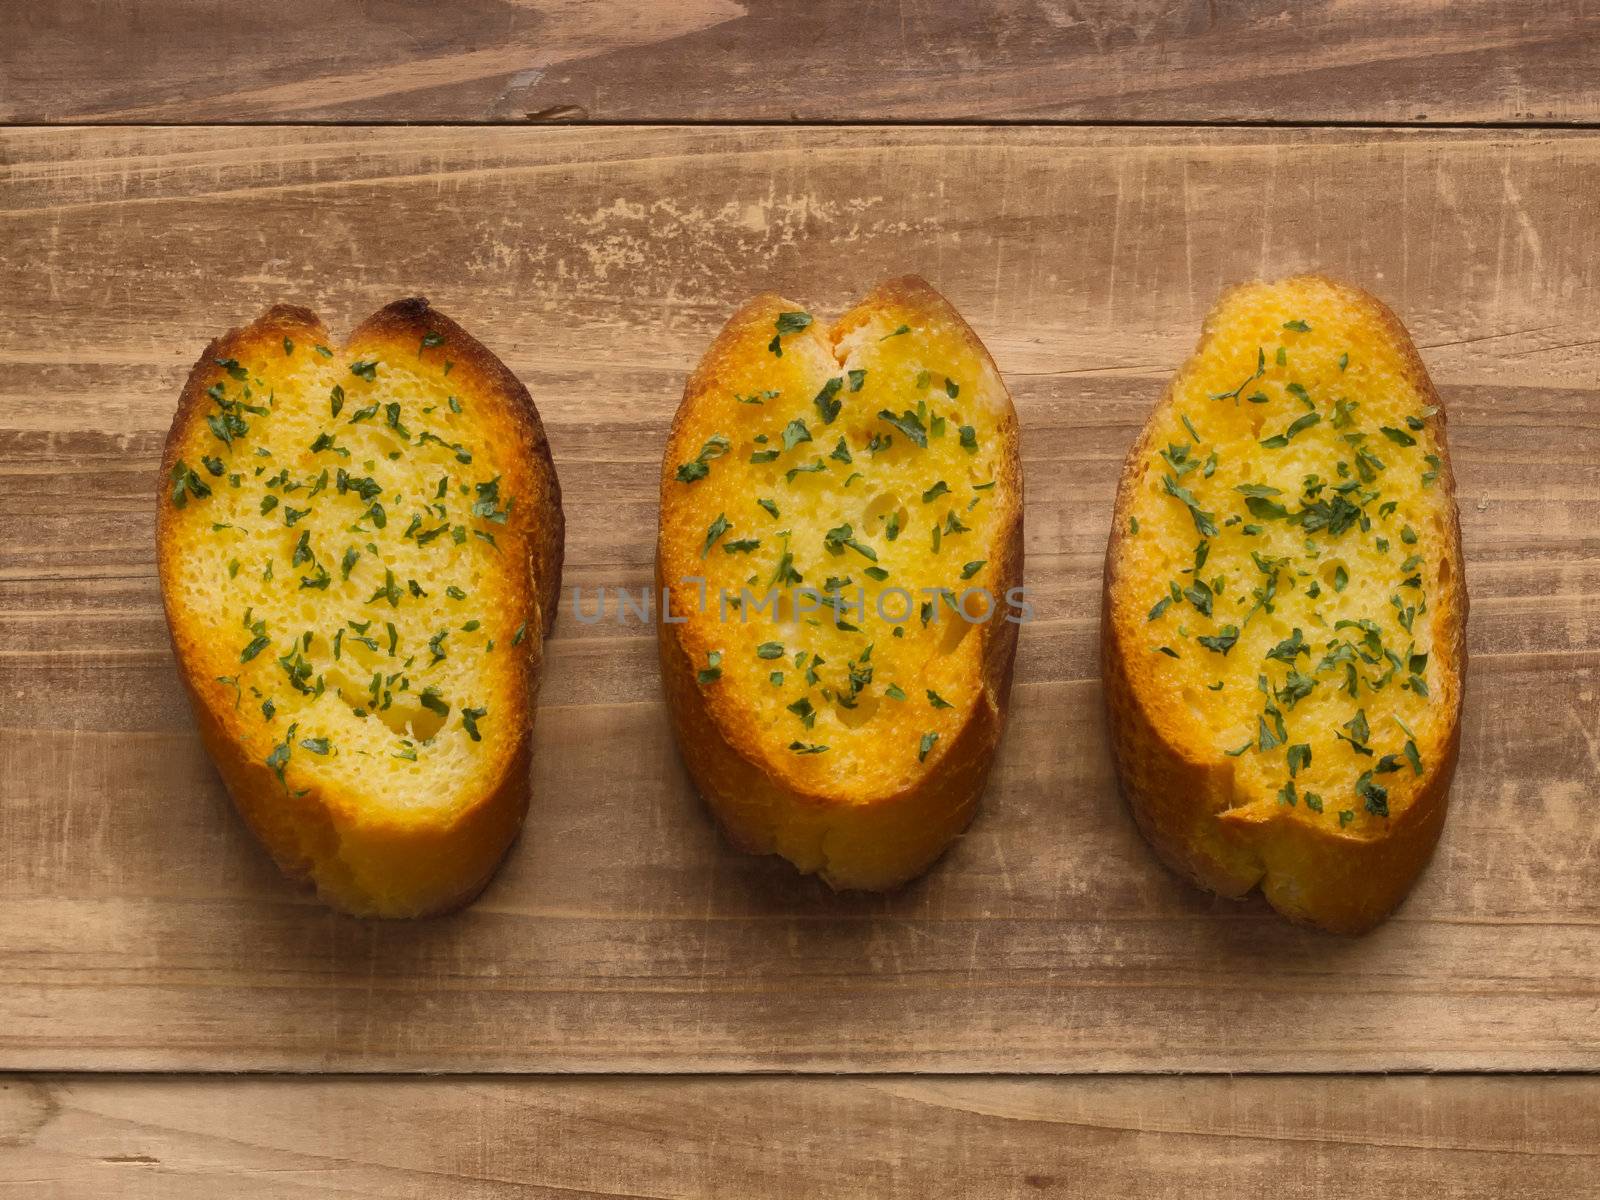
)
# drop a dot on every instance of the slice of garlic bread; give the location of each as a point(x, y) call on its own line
point(360, 555)
point(1284, 622)
point(841, 553)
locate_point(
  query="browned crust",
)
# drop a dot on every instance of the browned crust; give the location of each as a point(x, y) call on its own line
point(431, 869)
point(1180, 798)
point(903, 834)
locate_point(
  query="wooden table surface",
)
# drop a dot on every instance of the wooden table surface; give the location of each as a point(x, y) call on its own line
point(633, 1009)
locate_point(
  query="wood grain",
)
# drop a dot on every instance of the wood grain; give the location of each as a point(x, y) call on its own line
point(884, 1138)
point(141, 929)
point(812, 60)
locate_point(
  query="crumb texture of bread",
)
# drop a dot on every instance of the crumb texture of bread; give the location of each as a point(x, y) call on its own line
point(1284, 629)
point(360, 549)
point(830, 497)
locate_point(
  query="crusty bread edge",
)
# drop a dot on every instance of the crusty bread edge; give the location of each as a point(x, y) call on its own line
point(300, 831)
point(748, 801)
point(1345, 884)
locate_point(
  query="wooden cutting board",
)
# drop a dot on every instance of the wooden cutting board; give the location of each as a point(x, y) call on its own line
point(141, 927)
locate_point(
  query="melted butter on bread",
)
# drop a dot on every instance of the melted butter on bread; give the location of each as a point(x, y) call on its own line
point(873, 465)
point(1285, 600)
point(346, 533)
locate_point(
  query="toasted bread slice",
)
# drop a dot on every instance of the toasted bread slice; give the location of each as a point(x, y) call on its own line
point(823, 714)
point(1284, 622)
point(360, 555)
